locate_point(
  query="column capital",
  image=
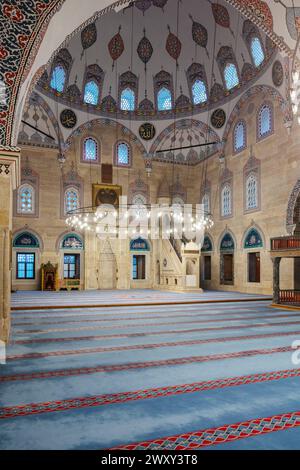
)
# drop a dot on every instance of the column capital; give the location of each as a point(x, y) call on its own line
point(10, 164)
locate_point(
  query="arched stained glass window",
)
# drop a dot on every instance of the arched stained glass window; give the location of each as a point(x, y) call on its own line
point(71, 199)
point(251, 193)
point(226, 201)
point(123, 154)
point(206, 203)
point(239, 136)
point(26, 199)
point(257, 52)
point(127, 102)
point(164, 99)
point(91, 93)
point(231, 76)
point(199, 92)
point(265, 121)
point(90, 150)
point(58, 78)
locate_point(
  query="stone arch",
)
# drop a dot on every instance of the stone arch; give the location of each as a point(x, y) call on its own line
point(35, 234)
point(184, 124)
point(63, 235)
point(227, 231)
point(267, 90)
point(294, 197)
point(211, 240)
point(28, 55)
point(258, 229)
point(90, 125)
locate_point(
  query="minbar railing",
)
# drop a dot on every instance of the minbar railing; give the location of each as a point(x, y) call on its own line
point(285, 243)
point(289, 297)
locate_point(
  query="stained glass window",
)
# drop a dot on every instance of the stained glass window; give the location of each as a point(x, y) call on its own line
point(251, 193)
point(123, 154)
point(91, 93)
point(265, 123)
point(90, 150)
point(226, 201)
point(127, 100)
point(25, 265)
point(231, 76)
point(164, 99)
point(71, 199)
point(199, 92)
point(257, 52)
point(239, 136)
point(58, 78)
point(26, 199)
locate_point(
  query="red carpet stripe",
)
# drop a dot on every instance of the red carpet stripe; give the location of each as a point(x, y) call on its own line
point(142, 365)
point(191, 342)
point(211, 320)
point(217, 328)
point(109, 399)
point(220, 435)
point(133, 335)
point(37, 315)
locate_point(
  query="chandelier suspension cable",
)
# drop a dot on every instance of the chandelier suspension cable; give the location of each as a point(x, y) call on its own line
point(205, 166)
point(174, 111)
point(294, 92)
point(87, 114)
point(136, 101)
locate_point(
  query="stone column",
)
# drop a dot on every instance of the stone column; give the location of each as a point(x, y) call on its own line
point(9, 180)
point(276, 279)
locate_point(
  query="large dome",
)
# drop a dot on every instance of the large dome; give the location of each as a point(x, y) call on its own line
point(158, 45)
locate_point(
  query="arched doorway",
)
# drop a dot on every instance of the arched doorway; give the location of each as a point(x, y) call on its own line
point(71, 262)
point(227, 247)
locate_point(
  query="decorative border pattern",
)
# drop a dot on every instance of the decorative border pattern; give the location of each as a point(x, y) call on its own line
point(255, 10)
point(219, 435)
point(141, 365)
point(291, 207)
point(110, 399)
point(135, 335)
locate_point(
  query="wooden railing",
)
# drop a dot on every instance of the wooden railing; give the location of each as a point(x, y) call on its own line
point(289, 296)
point(285, 243)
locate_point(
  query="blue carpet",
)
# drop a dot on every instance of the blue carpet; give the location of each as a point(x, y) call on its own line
point(156, 334)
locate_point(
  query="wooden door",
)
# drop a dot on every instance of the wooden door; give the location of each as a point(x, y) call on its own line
point(228, 268)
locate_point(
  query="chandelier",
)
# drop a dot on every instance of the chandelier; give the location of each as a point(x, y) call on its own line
point(186, 223)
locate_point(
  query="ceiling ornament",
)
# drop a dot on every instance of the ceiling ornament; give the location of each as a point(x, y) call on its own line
point(88, 36)
point(146, 105)
point(145, 50)
point(173, 46)
point(143, 5)
point(221, 16)
point(218, 118)
point(293, 21)
point(108, 104)
point(248, 72)
point(160, 3)
point(217, 92)
point(116, 47)
point(277, 73)
point(200, 35)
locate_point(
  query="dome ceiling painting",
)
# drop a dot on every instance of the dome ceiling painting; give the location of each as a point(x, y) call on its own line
point(159, 56)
